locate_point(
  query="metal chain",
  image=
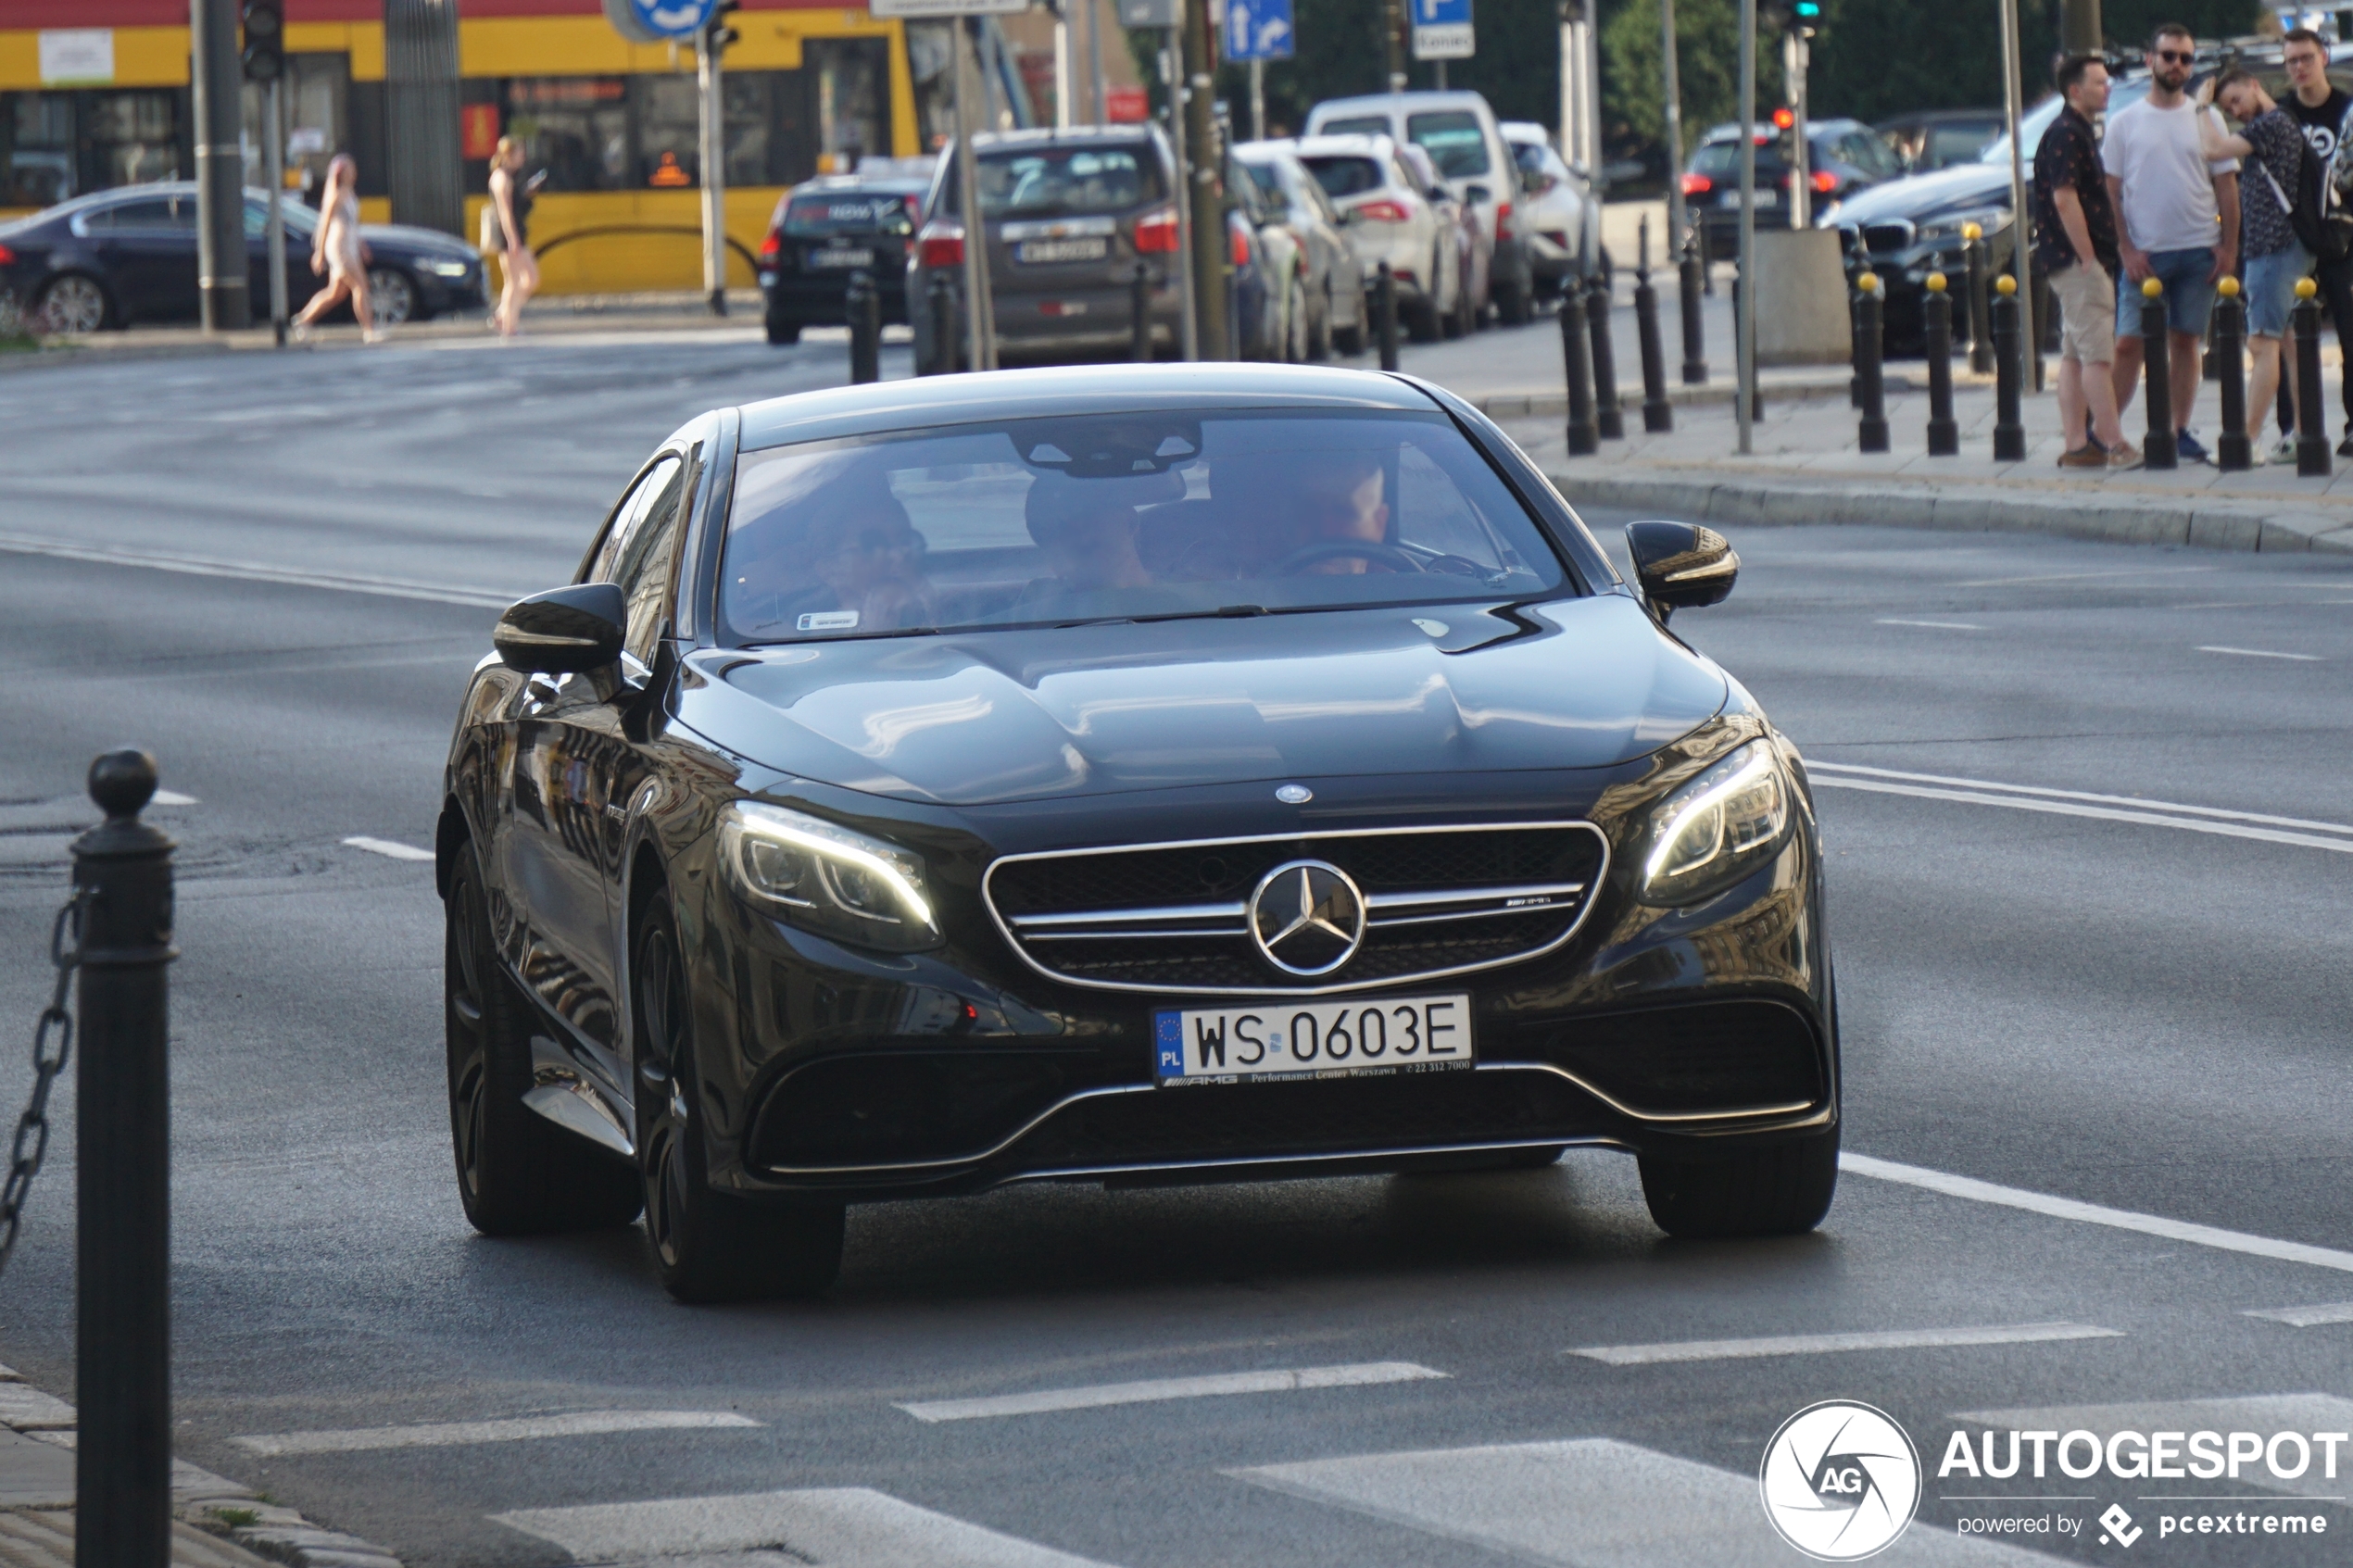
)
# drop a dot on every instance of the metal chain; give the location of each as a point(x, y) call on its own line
point(49, 1060)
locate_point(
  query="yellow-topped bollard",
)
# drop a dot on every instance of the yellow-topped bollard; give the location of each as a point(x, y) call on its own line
point(1971, 233)
point(2151, 288)
point(1936, 282)
point(2005, 285)
point(1868, 283)
point(2306, 288)
point(2228, 287)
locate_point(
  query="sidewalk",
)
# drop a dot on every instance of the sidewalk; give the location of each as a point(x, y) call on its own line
point(218, 1524)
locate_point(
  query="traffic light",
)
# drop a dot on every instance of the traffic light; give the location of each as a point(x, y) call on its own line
point(1806, 15)
point(265, 50)
point(716, 34)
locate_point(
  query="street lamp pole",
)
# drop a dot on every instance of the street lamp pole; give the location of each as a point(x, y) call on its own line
point(1745, 295)
point(1678, 215)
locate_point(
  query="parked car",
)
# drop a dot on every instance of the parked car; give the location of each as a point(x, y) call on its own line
point(1844, 157)
point(1067, 216)
point(1388, 215)
point(1929, 139)
point(1337, 316)
point(827, 231)
point(1261, 255)
point(1474, 262)
point(1559, 217)
point(128, 255)
point(894, 806)
point(1461, 135)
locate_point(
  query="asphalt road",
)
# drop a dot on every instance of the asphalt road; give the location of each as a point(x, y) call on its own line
point(276, 574)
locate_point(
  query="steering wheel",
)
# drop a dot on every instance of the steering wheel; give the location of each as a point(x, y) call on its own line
point(1340, 549)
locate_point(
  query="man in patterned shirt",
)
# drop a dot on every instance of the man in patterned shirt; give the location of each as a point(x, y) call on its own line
point(2272, 144)
point(2075, 245)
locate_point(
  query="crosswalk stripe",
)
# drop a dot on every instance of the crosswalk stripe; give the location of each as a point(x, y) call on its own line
point(1589, 1502)
point(2305, 1317)
point(837, 1527)
point(452, 1433)
point(1269, 1382)
point(1828, 1344)
point(2259, 1413)
point(390, 848)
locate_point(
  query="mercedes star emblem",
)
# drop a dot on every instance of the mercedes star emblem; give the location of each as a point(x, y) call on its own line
point(1307, 917)
point(1295, 794)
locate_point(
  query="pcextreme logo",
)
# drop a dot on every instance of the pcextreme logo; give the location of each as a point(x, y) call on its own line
point(1840, 1480)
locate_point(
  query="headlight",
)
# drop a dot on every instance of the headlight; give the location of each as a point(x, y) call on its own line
point(1717, 828)
point(1946, 230)
point(828, 879)
point(448, 269)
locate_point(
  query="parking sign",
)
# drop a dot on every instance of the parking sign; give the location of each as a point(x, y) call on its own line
point(1442, 30)
point(1258, 29)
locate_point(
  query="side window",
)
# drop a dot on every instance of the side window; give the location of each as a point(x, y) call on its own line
point(637, 553)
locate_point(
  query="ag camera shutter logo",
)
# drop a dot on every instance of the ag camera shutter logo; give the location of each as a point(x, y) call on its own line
point(1840, 1481)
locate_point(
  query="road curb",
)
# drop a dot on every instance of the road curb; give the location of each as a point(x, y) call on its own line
point(2197, 524)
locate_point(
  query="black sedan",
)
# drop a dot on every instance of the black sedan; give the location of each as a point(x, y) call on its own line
point(1842, 156)
point(1132, 774)
point(826, 231)
point(128, 255)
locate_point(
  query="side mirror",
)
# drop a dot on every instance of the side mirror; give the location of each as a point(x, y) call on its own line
point(564, 630)
point(1680, 565)
point(1478, 195)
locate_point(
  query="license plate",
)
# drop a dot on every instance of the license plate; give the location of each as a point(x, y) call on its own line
point(842, 257)
point(1062, 250)
point(1271, 1040)
point(1764, 198)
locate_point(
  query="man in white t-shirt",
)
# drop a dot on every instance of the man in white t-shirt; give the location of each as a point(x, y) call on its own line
point(2179, 215)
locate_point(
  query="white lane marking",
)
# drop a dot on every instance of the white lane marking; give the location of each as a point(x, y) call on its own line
point(170, 797)
point(2096, 1215)
point(1588, 1502)
point(1934, 625)
point(2306, 1317)
point(2066, 808)
point(390, 848)
point(2263, 1413)
point(2262, 653)
point(2080, 576)
point(2135, 802)
point(1356, 1375)
point(453, 1434)
point(839, 1526)
point(262, 571)
point(1831, 1344)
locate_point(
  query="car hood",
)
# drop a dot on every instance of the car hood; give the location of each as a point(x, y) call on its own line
point(1959, 188)
point(997, 717)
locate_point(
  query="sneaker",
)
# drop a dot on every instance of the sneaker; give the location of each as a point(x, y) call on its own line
point(2123, 454)
point(2284, 452)
point(2091, 457)
point(2189, 448)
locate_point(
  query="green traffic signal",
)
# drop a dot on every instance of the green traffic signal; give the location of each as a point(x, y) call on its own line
point(1809, 10)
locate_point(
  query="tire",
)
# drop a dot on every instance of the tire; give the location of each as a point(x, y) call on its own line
point(783, 333)
point(1779, 1189)
point(392, 297)
point(518, 1173)
point(1297, 336)
point(707, 1246)
point(75, 304)
point(1319, 330)
point(1512, 307)
point(1351, 340)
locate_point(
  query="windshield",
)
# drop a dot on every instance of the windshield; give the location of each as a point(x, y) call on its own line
point(1454, 140)
point(1064, 181)
point(850, 212)
point(1363, 125)
point(1721, 160)
point(1112, 516)
point(1343, 177)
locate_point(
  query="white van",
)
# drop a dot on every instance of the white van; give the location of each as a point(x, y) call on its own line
point(1460, 133)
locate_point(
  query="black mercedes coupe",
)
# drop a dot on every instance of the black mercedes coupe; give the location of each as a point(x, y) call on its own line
point(1131, 774)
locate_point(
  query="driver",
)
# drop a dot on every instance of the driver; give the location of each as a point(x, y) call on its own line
point(1341, 497)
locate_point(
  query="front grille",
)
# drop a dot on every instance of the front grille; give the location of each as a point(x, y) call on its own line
point(1885, 239)
point(1334, 1116)
point(1175, 917)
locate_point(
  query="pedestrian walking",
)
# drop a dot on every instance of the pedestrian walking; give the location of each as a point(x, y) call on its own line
point(506, 233)
point(2180, 212)
point(2324, 111)
point(2075, 243)
point(2273, 147)
point(337, 251)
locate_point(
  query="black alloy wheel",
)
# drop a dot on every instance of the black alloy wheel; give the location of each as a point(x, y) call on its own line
point(518, 1173)
point(1776, 1189)
point(707, 1246)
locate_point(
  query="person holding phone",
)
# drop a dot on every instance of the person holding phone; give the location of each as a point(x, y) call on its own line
point(507, 232)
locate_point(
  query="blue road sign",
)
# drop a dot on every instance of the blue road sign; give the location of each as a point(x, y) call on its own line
point(1441, 13)
point(1260, 30)
point(657, 21)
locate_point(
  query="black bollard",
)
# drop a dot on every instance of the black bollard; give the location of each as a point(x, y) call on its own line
point(1583, 438)
point(1140, 314)
point(1943, 432)
point(2009, 431)
point(862, 305)
point(2226, 359)
point(2311, 410)
point(1658, 414)
point(945, 330)
point(1871, 431)
point(1694, 280)
point(1609, 414)
point(122, 1172)
point(1980, 338)
point(2160, 450)
point(1385, 307)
